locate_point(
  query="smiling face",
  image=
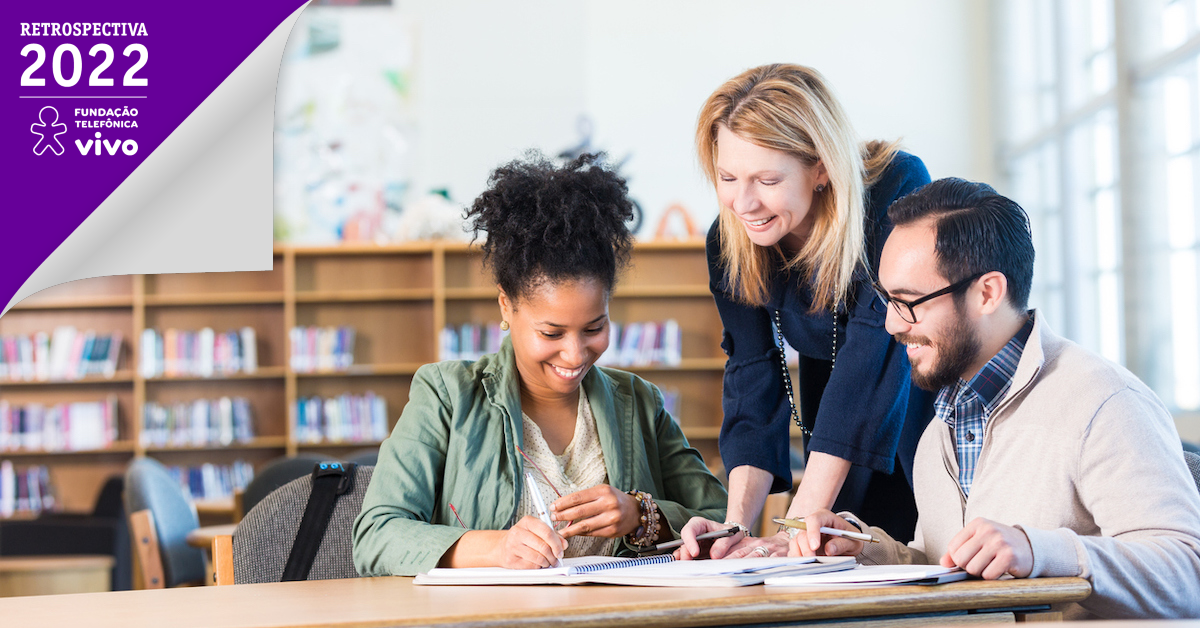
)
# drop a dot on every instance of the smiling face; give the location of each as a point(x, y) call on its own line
point(558, 331)
point(770, 191)
point(944, 343)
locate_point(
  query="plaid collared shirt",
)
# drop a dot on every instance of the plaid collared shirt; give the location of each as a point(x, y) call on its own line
point(966, 406)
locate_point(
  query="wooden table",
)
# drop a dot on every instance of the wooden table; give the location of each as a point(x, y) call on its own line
point(203, 536)
point(47, 575)
point(374, 602)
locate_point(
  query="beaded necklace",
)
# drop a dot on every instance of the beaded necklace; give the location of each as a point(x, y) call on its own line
point(787, 376)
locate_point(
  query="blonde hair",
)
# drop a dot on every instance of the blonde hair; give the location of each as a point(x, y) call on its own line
point(790, 108)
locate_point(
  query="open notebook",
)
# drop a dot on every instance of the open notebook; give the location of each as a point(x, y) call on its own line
point(872, 576)
point(650, 571)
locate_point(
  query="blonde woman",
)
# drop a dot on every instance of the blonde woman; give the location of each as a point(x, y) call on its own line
point(803, 217)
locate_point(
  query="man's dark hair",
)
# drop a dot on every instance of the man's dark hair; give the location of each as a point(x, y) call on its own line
point(550, 223)
point(978, 231)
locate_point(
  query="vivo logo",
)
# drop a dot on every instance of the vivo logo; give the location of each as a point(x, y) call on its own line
point(129, 147)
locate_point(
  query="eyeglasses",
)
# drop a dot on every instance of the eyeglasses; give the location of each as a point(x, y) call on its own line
point(905, 308)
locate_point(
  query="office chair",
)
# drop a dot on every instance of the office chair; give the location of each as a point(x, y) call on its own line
point(1193, 464)
point(103, 531)
point(271, 476)
point(263, 540)
point(367, 456)
point(160, 518)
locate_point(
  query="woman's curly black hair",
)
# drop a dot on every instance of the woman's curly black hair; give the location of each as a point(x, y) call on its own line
point(548, 223)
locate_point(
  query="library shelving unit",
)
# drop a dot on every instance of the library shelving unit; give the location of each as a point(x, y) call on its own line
point(397, 298)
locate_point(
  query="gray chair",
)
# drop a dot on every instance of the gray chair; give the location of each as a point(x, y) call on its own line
point(263, 540)
point(149, 487)
point(275, 474)
point(1193, 463)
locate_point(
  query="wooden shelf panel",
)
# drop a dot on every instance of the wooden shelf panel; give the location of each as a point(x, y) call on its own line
point(237, 283)
point(74, 303)
point(345, 444)
point(262, 442)
point(479, 292)
point(120, 377)
point(687, 364)
point(368, 370)
point(365, 272)
point(363, 296)
point(684, 290)
point(263, 372)
point(384, 333)
point(118, 447)
point(216, 298)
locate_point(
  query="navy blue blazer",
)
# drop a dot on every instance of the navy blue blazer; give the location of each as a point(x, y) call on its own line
point(864, 404)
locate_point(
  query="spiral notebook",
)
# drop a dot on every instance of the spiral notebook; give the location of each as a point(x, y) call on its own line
point(650, 571)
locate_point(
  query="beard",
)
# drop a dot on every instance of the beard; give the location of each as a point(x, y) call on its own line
point(953, 354)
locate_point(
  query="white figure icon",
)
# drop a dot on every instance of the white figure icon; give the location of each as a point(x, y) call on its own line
point(48, 128)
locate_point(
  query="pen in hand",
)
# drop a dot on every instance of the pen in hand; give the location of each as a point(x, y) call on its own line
point(707, 536)
point(543, 513)
point(799, 525)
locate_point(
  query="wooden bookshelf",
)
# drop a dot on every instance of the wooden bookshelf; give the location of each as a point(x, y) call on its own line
point(397, 297)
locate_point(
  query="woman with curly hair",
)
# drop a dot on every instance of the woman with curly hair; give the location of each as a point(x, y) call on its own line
point(803, 217)
point(450, 487)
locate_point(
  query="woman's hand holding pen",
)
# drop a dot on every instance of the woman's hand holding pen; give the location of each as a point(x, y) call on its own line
point(810, 542)
point(530, 544)
point(598, 511)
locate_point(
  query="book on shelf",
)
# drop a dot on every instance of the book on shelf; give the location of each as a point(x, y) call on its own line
point(197, 423)
point(201, 353)
point(649, 571)
point(77, 426)
point(25, 490)
point(321, 349)
point(343, 419)
point(470, 341)
point(212, 481)
point(643, 344)
point(65, 355)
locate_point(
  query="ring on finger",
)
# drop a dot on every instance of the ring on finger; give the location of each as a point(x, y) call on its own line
point(762, 551)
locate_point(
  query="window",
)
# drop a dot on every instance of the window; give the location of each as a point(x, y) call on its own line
point(1100, 142)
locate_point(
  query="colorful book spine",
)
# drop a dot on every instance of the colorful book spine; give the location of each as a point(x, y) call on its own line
point(64, 355)
point(78, 426)
point(343, 419)
point(321, 349)
point(470, 341)
point(212, 481)
point(25, 490)
point(202, 353)
point(199, 423)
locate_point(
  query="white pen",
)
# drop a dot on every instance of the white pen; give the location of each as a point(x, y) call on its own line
point(857, 536)
point(539, 503)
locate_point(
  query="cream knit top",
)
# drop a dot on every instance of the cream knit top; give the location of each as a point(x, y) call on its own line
point(580, 466)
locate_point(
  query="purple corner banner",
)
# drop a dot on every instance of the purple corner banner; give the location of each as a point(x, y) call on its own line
point(57, 171)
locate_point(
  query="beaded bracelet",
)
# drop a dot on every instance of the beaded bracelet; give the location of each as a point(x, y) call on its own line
point(647, 531)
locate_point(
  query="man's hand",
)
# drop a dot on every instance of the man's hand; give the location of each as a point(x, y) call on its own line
point(989, 549)
point(810, 542)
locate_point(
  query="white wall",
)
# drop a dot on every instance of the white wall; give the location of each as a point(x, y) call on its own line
point(495, 78)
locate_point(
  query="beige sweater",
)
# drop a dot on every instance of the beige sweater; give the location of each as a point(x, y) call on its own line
point(1085, 459)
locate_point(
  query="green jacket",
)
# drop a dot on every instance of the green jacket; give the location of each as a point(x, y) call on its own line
point(456, 443)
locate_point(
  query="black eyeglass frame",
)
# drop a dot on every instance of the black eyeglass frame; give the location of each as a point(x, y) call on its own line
point(912, 314)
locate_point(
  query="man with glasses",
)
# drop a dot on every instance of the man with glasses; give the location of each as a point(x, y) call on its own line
point(1043, 459)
